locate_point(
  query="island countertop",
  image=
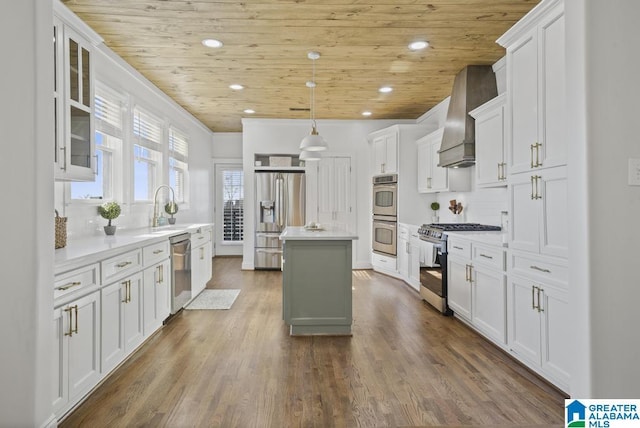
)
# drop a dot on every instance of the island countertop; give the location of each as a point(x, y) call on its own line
point(301, 233)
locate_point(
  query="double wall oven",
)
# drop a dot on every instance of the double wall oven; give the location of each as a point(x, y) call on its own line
point(385, 214)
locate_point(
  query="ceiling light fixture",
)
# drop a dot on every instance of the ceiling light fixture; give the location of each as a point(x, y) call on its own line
point(385, 89)
point(236, 87)
point(249, 111)
point(418, 45)
point(212, 43)
point(366, 113)
point(313, 142)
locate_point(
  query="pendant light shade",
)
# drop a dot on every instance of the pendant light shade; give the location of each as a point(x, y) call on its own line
point(308, 156)
point(313, 142)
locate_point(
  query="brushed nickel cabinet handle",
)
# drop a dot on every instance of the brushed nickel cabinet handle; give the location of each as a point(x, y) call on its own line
point(458, 248)
point(70, 332)
point(538, 145)
point(540, 308)
point(532, 164)
point(69, 285)
point(486, 257)
point(75, 310)
point(123, 264)
point(533, 195)
point(158, 251)
point(534, 267)
point(533, 299)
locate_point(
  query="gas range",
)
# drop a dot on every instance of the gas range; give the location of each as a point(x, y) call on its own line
point(436, 232)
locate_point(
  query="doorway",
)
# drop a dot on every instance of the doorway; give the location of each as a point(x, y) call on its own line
point(229, 208)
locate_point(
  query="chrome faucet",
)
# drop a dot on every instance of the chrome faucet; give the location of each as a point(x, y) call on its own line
point(156, 208)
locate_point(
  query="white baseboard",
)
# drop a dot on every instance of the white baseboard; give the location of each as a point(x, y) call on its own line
point(247, 266)
point(362, 265)
point(52, 422)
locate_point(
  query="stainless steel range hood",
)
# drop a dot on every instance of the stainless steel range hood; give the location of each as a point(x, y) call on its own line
point(473, 86)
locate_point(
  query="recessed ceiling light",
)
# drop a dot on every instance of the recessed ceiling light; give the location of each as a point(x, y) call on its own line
point(366, 113)
point(249, 111)
point(236, 87)
point(212, 43)
point(418, 45)
point(385, 89)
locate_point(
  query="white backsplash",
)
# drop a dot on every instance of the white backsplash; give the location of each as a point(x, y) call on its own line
point(480, 206)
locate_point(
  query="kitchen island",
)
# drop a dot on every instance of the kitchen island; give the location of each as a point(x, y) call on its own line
point(316, 281)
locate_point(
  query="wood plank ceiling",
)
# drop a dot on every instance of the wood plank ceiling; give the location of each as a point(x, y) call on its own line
point(363, 45)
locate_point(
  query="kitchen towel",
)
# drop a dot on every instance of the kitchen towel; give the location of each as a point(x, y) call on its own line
point(428, 254)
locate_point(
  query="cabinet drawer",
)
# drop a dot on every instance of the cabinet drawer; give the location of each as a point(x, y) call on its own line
point(154, 253)
point(459, 247)
point(384, 262)
point(121, 265)
point(488, 256)
point(200, 236)
point(403, 232)
point(75, 282)
point(544, 269)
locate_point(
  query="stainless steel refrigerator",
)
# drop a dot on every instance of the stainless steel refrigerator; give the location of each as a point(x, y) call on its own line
point(280, 202)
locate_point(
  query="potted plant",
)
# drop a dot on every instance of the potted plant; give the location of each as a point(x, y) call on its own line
point(435, 207)
point(171, 208)
point(109, 211)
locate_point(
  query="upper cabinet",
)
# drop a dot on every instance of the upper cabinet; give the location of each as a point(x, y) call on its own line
point(536, 123)
point(433, 178)
point(385, 152)
point(334, 195)
point(73, 104)
point(491, 168)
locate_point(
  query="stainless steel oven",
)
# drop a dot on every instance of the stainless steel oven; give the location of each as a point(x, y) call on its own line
point(384, 236)
point(385, 196)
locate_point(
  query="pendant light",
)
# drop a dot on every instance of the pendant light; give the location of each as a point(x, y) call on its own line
point(313, 142)
point(307, 155)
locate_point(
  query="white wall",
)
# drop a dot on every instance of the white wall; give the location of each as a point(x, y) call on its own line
point(83, 219)
point(26, 256)
point(227, 145)
point(603, 40)
point(343, 137)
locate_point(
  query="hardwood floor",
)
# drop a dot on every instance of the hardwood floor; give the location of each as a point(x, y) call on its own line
point(406, 365)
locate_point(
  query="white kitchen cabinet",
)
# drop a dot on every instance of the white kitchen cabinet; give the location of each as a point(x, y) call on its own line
point(539, 212)
point(477, 286)
point(73, 105)
point(122, 321)
point(334, 191)
point(536, 119)
point(75, 356)
point(491, 168)
point(539, 324)
point(201, 267)
point(430, 177)
point(156, 296)
point(403, 255)
point(385, 149)
point(415, 246)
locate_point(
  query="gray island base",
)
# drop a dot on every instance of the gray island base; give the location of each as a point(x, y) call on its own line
point(316, 281)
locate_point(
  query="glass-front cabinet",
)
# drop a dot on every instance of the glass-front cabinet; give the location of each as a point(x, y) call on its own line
point(73, 105)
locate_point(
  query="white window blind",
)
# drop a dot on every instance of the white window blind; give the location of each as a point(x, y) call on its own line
point(108, 112)
point(178, 145)
point(147, 129)
point(233, 201)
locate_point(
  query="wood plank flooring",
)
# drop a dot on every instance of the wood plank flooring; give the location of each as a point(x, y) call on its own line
point(406, 365)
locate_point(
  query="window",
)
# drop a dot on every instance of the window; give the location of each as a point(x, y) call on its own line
point(232, 202)
point(108, 138)
point(178, 164)
point(147, 154)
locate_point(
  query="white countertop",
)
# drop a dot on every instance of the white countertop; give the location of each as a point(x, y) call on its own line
point(91, 249)
point(301, 233)
point(497, 238)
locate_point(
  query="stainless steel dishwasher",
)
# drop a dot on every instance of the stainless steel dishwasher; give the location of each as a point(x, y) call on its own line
point(180, 271)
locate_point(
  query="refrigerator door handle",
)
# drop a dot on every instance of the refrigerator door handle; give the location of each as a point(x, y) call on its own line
point(279, 201)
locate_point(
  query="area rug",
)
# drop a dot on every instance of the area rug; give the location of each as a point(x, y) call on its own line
point(214, 299)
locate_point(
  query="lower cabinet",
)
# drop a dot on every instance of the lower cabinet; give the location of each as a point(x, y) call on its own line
point(157, 299)
point(76, 350)
point(122, 326)
point(539, 327)
point(459, 286)
point(201, 267)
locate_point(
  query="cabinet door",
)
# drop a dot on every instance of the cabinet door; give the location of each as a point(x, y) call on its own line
point(326, 185)
point(553, 126)
point(556, 322)
point(524, 213)
point(403, 257)
point(489, 295)
point(342, 191)
point(391, 153)
point(133, 322)
point(522, 75)
point(84, 346)
point(112, 339)
point(379, 154)
point(490, 148)
point(459, 289)
point(414, 262)
point(155, 297)
point(524, 320)
point(424, 166)
point(553, 232)
point(59, 361)
point(439, 175)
